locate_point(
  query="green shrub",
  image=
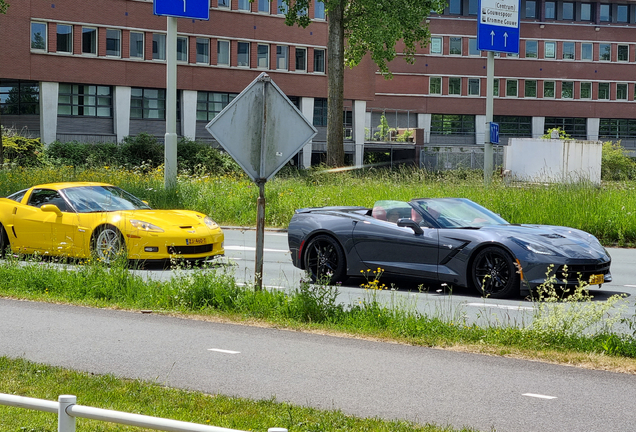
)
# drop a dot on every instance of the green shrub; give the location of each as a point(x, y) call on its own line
point(143, 149)
point(21, 151)
point(616, 165)
point(194, 157)
point(79, 154)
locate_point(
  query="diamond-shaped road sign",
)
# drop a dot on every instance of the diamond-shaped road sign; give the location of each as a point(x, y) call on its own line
point(261, 129)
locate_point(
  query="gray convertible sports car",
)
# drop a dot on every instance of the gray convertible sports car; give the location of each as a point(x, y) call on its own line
point(444, 240)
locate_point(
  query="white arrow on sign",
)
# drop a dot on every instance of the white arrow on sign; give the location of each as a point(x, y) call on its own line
point(492, 37)
point(505, 38)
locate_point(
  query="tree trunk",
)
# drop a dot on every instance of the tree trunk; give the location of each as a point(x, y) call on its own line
point(335, 71)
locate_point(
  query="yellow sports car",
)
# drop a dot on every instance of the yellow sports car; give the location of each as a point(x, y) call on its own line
point(81, 219)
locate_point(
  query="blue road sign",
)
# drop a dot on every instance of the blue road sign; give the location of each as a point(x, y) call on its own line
point(195, 9)
point(498, 26)
point(494, 133)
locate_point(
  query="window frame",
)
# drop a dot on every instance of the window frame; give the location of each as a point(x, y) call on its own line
point(471, 83)
point(571, 51)
point(570, 12)
point(603, 52)
point(589, 90)
point(263, 6)
point(453, 42)
point(69, 42)
point(626, 53)
point(139, 55)
point(626, 87)
point(202, 55)
point(565, 84)
point(534, 9)
point(454, 84)
point(77, 100)
point(472, 48)
point(553, 50)
point(536, 49)
point(434, 41)
point(213, 103)
point(87, 31)
point(509, 85)
point(159, 46)
point(182, 49)
point(438, 84)
point(589, 13)
point(591, 47)
point(298, 50)
point(224, 4)
point(118, 39)
point(319, 10)
point(526, 87)
point(243, 58)
point(605, 12)
point(280, 56)
point(319, 60)
point(226, 52)
point(146, 102)
point(550, 12)
point(619, 18)
point(244, 5)
point(545, 89)
point(605, 91)
point(44, 36)
point(262, 53)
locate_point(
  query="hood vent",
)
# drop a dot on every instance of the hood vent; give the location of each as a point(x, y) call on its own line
point(552, 236)
point(186, 227)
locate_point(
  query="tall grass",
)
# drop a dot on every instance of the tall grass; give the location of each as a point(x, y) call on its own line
point(607, 211)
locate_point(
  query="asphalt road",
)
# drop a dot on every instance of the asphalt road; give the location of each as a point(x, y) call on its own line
point(360, 377)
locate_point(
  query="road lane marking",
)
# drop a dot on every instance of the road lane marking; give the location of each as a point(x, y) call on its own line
point(498, 306)
point(534, 395)
point(249, 248)
point(631, 286)
point(224, 351)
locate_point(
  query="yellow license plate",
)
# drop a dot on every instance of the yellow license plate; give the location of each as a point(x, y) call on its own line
point(597, 279)
point(196, 241)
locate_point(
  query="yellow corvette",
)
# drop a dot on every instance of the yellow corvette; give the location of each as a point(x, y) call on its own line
point(81, 219)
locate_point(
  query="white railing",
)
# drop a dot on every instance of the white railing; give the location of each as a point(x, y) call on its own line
point(67, 411)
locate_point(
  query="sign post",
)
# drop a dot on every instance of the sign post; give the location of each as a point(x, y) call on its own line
point(173, 9)
point(497, 30)
point(262, 130)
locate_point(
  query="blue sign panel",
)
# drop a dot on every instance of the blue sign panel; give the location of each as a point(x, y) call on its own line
point(195, 9)
point(498, 26)
point(494, 133)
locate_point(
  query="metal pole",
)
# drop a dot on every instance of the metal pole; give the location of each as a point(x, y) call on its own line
point(170, 141)
point(260, 236)
point(65, 422)
point(490, 85)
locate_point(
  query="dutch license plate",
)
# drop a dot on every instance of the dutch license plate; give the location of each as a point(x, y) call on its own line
point(196, 241)
point(597, 279)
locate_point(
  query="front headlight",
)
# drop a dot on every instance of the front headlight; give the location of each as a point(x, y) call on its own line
point(210, 223)
point(146, 226)
point(534, 247)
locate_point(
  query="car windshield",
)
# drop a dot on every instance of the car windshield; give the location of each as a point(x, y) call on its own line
point(456, 213)
point(90, 199)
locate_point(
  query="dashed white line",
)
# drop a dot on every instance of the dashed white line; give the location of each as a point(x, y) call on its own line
point(631, 286)
point(534, 395)
point(498, 306)
point(250, 248)
point(224, 351)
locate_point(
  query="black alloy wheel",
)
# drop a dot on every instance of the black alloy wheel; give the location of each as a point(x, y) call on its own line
point(4, 241)
point(324, 257)
point(494, 273)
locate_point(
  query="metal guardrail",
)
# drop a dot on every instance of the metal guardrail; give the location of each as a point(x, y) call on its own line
point(67, 410)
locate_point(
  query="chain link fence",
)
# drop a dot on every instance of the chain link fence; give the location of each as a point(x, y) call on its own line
point(451, 158)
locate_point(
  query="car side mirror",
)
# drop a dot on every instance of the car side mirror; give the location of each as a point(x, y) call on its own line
point(410, 223)
point(52, 208)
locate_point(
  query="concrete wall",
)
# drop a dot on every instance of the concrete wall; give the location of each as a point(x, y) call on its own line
point(553, 160)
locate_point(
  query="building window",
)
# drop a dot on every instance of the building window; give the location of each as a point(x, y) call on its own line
point(567, 90)
point(84, 100)
point(223, 53)
point(136, 45)
point(586, 90)
point(495, 87)
point(263, 6)
point(605, 52)
point(203, 50)
point(531, 9)
point(514, 125)
point(243, 54)
point(455, 46)
point(575, 127)
point(548, 89)
point(473, 86)
point(586, 11)
point(282, 7)
point(224, 3)
point(473, 7)
point(550, 49)
point(586, 51)
point(147, 104)
point(38, 36)
point(319, 9)
point(454, 86)
point(89, 40)
point(622, 53)
point(301, 59)
point(617, 128)
point(455, 7)
point(281, 57)
point(262, 56)
point(532, 49)
point(435, 86)
point(65, 38)
point(158, 46)
point(209, 104)
point(606, 12)
point(319, 60)
point(530, 90)
point(320, 112)
point(452, 124)
point(621, 91)
point(244, 5)
point(113, 42)
point(622, 13)
point(604, 91)
point(182, 49)
point(568, 11)
point(550, 10)
point(472, 47)
point(436, 45)
point(568, 50)
point(19, 97)
point(511, 87)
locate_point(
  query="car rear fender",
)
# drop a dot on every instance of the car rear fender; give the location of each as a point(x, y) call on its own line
point(345, 240)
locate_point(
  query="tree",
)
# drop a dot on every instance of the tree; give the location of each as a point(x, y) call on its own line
point(3, 6)
point(358, 27)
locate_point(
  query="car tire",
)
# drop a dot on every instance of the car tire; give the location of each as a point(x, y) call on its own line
point(4, 241)
point(108, 244)
point(325, 256)
point(494, 274)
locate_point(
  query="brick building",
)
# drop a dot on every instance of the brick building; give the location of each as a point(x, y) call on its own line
point(95, 71)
